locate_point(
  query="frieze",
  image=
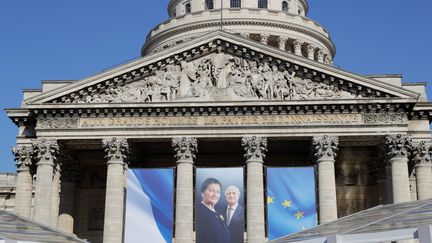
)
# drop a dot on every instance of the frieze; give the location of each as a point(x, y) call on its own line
point(58, 122)
point(385, 118)
point(217, 77)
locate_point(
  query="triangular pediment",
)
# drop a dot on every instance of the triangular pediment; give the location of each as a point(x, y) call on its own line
point(221, 67)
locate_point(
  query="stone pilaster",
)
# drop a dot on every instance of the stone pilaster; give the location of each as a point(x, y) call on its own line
point(264, 38)
point(24, 185)
point(185, 150)
point(325, 149)
point(310, 52)
point(397, 152)
point(282, 40)
point(255, 148)
point(46, 157)
point(298, 47)
point(55, 196)
point(422, 156)
point(67, 196)
point(320, 56)
point(116, 154)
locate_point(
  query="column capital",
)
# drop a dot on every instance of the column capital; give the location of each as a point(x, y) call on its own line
point(282, 40)
point(23, 156)
point(398, 146)
point(255, 148)
point(298, 43)
point(185, 148)
point(325, 148)
point(116, 149)
point(327, 59)
point(46, 151)
point(320, 56)
point(422, 154)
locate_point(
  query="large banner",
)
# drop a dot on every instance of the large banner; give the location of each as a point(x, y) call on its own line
point(219, 205)
point(149, 206)
point(291, 200)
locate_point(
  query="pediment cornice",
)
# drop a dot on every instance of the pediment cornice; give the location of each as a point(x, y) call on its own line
point(356, 86)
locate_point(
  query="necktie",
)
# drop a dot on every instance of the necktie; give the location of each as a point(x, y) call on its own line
point(229, 215)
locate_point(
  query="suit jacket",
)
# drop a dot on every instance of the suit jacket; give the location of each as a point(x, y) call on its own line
point(210, 226)
point(236, 225)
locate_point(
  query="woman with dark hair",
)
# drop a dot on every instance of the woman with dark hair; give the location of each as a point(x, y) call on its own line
point(210, 225)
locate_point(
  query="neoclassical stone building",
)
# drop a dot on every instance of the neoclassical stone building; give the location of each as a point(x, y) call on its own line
point(263, 76)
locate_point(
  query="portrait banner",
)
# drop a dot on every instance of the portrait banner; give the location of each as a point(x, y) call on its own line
point(291, 200)
point(219, 205)
point(149, 206)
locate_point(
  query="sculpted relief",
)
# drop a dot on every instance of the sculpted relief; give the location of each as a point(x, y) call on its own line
point(218, 76)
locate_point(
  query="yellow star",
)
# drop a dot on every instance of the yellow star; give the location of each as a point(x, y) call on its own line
point(299, 215)
point(287, 204)
point(269, 200)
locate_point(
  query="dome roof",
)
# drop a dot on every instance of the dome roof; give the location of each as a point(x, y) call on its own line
point(279, 23)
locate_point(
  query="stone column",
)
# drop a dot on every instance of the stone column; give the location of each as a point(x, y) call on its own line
point(264, 38)
point(255, 148)
point(311, 52)
point(282, 40)
point(67, 197)
point(116, 152)
point(320, 56)
point(24, 185)
point(298, 47)
point(397, 152)
point(325, 153)
point(46, 157)
point(185, 149)
point(422, 159)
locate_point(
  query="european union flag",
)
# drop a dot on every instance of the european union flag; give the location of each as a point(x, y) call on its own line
point(291, 201)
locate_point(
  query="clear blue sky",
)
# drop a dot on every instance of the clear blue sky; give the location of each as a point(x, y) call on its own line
point(52, 39)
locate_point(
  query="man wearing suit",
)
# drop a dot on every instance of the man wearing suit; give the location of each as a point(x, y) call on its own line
point(234, 215)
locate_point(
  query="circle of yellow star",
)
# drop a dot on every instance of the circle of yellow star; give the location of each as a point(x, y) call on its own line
point(269, 200)
point(299, 215)
point(287, 204)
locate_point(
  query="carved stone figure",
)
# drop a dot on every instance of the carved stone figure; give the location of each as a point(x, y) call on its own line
point(218, 76)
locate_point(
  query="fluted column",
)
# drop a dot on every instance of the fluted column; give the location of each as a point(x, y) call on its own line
point(282, 40)
point(255, 148)
point(67, 198)
point(24, 185)
point(116, 153)
point(311, 52)
point(320, 56)
point(46, 156)
point(422, 159)
point(325, 154)
point(298, 47)
point(397, 152)
point(55, 196)
point(264, 38)
point(185, 149)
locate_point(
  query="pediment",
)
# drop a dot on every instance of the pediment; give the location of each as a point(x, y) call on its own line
point(221, 67)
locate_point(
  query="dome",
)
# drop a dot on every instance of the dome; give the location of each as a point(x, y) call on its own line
point(279, 23)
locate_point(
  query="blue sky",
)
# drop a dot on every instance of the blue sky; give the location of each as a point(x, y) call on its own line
point(52, 39)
